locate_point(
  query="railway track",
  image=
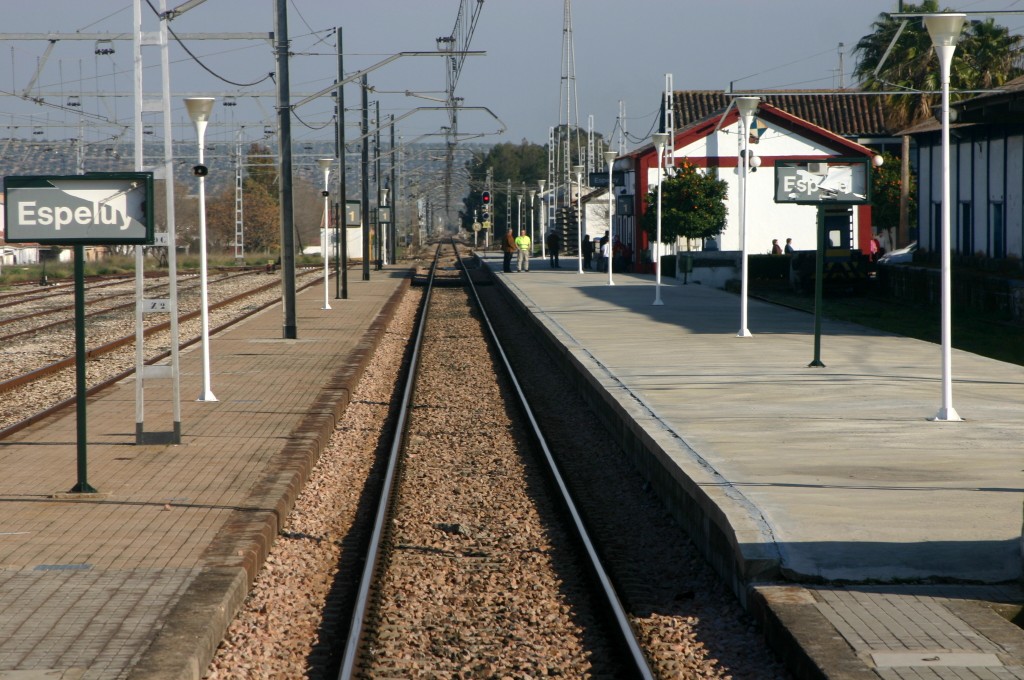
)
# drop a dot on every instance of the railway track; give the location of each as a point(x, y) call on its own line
point(473, 566)
point(27, 322)
point(688, 622)
point(43, 388)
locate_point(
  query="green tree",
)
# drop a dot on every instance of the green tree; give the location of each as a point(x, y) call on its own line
point(985, 57)
point(692, 206)
point(885, 195)
point(523, 163)
point(260, 201)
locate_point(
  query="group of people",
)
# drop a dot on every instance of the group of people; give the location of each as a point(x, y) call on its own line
point(603, 247)
point(778, 250)
point(511, 245)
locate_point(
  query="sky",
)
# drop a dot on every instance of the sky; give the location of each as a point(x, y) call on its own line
point(622, 50)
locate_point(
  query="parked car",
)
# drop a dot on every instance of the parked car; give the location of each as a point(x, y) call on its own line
point(900, 255)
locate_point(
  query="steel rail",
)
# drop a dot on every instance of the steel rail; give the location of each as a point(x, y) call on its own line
point(347, 669)
point(92, 313)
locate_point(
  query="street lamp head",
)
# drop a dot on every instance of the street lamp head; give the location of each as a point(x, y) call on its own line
point(877, 161)
point(610, 156)
point(578, 170)
point(199, 108)
point(660, 139)
point(324, 163)
point(747, 105)
point(944, 29)
point(755, 161)
point(532, 193)
point(384, 197)
point(542, 183)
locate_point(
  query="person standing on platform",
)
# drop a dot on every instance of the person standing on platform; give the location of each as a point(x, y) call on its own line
point(776, 248)
point(789, 246)
point(554, 244)
point(524, 244)
point(588, 252)
point(508, 248)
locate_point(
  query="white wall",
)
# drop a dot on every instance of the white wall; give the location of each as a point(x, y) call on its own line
point(766, 219)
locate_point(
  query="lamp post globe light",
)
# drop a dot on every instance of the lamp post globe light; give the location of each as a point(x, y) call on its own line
point(544, 218)
point(609, 159)
point(325, 166)
point(944, 30)
point(746, 107)
point(199, 111)
point(578, 171)
point(660, 139)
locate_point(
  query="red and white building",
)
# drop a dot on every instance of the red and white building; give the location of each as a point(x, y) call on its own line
point(713, 143)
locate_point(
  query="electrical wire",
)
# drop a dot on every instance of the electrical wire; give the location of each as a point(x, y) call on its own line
point(312, 127)
point(200, 63)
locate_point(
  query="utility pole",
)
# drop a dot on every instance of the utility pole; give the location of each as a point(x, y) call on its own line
point(392, 230)
point(341, 258)
point(365, 165)
point(378, 242)
point(284, 122)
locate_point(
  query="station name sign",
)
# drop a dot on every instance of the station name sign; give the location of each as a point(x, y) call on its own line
point(836, 180)
point(94, 209)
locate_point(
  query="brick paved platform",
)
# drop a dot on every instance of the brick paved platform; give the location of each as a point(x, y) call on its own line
point(141, 580)
point(871, 542)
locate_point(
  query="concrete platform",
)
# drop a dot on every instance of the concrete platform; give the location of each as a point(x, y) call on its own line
point(141, 580)
point(788, 474)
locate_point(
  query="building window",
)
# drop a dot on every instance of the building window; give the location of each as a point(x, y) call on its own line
point(997, 230)
point(966, 228)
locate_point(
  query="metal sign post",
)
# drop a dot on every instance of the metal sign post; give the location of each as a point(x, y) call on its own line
point(831, 182)
point(79, 210)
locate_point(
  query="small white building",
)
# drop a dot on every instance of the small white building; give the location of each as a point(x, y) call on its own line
point(713, 144)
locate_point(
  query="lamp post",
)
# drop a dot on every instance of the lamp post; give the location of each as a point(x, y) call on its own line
point(199, 111)
point(382, 226)
point(533, 221)
point(578, 171)
point(746, 106)
point(325, 166)
point(609, 158)
point(944, 30)
point(660, 140)
point(544, 218)
point(519, 213)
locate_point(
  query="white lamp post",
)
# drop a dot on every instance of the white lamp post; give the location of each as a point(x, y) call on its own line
point(533, 222)
point(578, 171)
point(944, 30)
point(381, 226)
point(199, 111)
point(325, 165)
point(660, 140)
point(746, 106)
point(544, 218)
point(519, 213)
point(609, 158)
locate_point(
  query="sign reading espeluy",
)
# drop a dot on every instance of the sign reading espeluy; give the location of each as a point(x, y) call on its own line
point(93, 209)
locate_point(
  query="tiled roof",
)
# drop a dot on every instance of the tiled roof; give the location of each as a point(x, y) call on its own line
point(845, 113)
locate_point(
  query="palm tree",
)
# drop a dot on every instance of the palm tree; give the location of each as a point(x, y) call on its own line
point(987, 57)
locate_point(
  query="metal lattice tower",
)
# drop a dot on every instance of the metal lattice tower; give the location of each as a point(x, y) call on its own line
point(458, 44)
point(591, 165)
point(239, 206)
point(568, 118)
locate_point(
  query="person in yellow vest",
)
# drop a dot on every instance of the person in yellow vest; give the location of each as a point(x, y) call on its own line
point(523, 244)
